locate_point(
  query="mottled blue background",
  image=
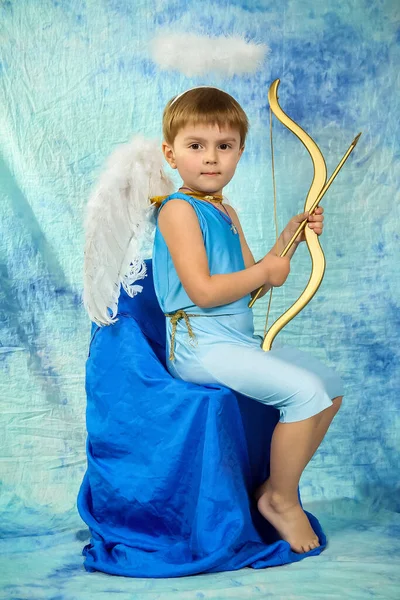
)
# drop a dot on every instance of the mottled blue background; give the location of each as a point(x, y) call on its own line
point(76, 80)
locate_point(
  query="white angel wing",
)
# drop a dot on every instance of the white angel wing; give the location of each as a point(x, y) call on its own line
point(119, 215)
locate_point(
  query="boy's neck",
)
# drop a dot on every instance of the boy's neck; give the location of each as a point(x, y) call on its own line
point(185, 188)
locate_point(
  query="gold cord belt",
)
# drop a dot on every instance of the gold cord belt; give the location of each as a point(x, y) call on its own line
point(177, 316)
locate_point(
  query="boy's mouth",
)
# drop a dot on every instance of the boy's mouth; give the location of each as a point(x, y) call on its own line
point(210, 173)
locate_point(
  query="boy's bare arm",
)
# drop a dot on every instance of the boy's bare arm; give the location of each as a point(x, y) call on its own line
point(247, 254)
point(180, 228)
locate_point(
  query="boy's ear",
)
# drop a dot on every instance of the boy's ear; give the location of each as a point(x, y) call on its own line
point(169, 155)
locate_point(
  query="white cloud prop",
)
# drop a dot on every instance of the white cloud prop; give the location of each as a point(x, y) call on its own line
point(193, 54)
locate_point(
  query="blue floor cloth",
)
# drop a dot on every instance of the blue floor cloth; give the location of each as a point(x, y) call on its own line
point(171, 465)
point(40, 560)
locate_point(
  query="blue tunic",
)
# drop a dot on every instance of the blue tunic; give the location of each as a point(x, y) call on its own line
point(224, 349)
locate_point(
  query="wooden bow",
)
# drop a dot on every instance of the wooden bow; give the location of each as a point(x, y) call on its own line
point(318, 188)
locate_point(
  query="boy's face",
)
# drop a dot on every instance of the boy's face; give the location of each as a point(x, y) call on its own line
point(202, 149)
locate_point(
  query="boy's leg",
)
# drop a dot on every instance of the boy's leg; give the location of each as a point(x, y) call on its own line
point(325, 419)
point(322, 423)
point(292, 446)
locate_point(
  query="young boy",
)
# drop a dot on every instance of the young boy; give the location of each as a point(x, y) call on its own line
point(202, 263)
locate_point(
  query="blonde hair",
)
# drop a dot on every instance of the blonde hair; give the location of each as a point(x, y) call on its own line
point(203, 106)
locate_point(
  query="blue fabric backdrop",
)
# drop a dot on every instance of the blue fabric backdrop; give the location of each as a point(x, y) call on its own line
point(77, 79)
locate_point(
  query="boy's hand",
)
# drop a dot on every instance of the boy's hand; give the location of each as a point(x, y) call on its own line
point(277, 269)
point(315, 222)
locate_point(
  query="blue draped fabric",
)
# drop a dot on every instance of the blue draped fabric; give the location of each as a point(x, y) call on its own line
point(171, 465)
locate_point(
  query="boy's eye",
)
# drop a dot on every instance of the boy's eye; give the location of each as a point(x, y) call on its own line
point(196, 144)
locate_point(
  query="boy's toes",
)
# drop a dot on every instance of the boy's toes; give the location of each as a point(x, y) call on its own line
point(307, 547)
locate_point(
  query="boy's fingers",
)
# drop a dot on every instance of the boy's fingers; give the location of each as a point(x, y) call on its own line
point(317, 212)
point(319, 217)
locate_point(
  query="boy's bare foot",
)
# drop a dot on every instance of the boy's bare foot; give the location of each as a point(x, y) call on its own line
point(289, 519)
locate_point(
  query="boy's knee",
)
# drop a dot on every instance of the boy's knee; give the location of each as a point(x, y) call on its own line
point(337, 403)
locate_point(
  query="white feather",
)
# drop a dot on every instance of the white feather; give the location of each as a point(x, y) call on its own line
point(119, 216)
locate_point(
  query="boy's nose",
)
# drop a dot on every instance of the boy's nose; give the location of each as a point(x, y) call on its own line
point(210, 156)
